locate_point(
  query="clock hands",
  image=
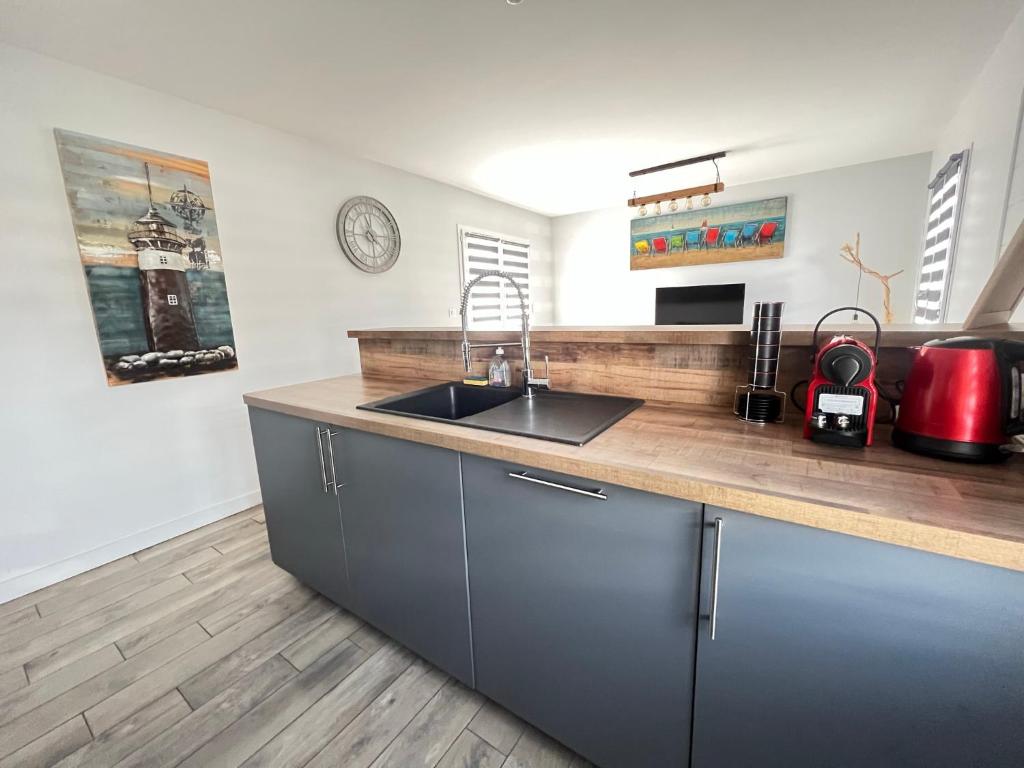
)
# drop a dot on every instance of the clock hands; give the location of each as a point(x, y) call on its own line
point(370, 236)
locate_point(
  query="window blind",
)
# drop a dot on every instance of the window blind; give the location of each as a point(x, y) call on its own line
point(493, 302)
point(945, 195)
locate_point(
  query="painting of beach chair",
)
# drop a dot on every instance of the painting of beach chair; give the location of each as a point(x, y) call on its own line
point(730, 238)
point(747, 233)
point(712, 238)
point(766, 232)
point(755, 230)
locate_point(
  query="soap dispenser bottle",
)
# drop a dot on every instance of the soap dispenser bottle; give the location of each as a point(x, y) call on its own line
point(498, 371)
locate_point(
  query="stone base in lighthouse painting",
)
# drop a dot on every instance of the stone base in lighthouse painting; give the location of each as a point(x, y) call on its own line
point(147, 236)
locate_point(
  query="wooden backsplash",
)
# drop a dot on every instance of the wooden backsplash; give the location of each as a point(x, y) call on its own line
point(706, 374)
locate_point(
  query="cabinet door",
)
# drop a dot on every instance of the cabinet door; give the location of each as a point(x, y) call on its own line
point(401, 503)
point(584, 610)
point(832, 650)
point(303, 519)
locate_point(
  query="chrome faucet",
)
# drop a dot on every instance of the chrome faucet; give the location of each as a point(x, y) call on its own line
point(530, 382)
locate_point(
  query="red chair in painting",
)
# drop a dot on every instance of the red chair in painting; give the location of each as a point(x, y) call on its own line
point(660, 244)
point(766, 232)
point(712, 237)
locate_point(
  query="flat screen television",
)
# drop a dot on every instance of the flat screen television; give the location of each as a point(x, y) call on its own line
point(700, 304)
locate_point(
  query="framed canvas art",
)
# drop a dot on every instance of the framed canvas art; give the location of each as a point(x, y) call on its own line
point(147, 237)
point(739, 232)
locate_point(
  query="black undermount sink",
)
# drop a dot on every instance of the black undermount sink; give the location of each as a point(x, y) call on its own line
point(447, 402)
point(563, 417)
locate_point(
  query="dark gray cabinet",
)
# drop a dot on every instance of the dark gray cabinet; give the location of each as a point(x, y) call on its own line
point(832, 650)
point(401, 504)
point(578, 608)
point(584, 610)
point(303, 520)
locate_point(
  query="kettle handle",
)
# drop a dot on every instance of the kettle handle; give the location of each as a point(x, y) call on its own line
point(1011, 356)
point(878, 326)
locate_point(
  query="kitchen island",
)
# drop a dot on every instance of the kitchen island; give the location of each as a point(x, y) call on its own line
point(684, 589)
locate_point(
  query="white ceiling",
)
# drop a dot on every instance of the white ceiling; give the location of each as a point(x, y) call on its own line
point(548, 104)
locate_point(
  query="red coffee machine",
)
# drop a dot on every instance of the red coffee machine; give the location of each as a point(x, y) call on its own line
point(962, 399)
point(842, 396)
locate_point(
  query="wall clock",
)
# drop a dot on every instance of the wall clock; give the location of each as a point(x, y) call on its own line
point(368, 234)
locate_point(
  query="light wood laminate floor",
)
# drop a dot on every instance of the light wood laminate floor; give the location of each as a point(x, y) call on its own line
point(199, 651)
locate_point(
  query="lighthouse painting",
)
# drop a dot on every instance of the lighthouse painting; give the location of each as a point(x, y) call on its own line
point(149, 246)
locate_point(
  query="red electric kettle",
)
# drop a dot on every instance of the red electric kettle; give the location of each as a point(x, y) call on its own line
point(962, 399)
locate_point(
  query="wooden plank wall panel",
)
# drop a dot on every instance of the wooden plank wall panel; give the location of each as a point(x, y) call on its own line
point(698, 374)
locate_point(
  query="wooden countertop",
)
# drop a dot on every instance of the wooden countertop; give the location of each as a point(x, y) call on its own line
point(793, 335)
point(703, 453)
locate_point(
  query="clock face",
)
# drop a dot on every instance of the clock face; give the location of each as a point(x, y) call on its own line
point(368, 234)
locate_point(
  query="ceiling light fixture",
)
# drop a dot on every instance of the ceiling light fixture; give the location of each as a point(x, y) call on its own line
point(514, 2)
point(705, 191)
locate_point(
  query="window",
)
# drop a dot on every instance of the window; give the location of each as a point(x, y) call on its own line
point(945, 200)
point(172, 299)
point(493, 302)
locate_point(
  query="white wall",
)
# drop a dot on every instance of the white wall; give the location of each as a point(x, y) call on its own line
point(986, 121)
point(89, 473)
point(884, 201)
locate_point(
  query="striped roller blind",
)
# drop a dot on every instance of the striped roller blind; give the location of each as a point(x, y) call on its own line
point(945, 196)
point(494, 303)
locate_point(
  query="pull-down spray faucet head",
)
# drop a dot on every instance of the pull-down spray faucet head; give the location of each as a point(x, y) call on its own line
point(464, 312)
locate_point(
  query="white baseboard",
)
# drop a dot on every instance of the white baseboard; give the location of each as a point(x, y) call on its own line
point(25, 583)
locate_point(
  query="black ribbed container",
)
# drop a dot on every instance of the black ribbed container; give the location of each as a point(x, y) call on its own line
point(765, 343)
point(758, 402)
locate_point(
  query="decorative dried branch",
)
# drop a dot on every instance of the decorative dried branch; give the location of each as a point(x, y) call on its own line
point(851, 253)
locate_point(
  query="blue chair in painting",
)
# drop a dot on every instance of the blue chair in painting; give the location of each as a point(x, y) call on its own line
point(730, 238)
point(692, 239)
point(747, 233)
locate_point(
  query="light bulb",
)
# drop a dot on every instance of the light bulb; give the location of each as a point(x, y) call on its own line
point(673, 206)
point(706, 200)
point(689, 203)
point(643, 210)
point(657, 209)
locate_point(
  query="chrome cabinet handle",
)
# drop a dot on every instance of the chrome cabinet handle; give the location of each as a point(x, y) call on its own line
point(320, 450)
point(598, 494)
point(330, 452)
point(716, 558)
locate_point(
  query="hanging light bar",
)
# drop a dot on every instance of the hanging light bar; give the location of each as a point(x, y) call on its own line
point(704, 190)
